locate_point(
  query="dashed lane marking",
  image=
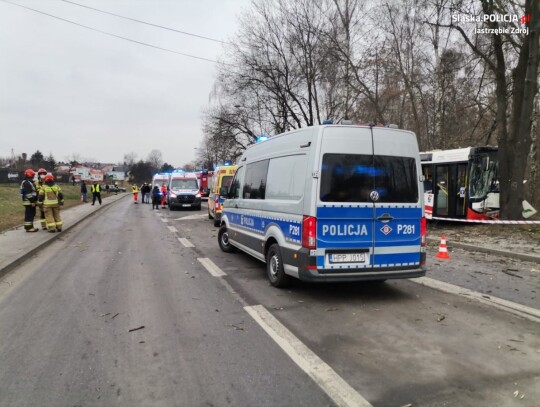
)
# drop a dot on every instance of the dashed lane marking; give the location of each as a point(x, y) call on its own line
point(211, 267)
point(164, 220)
point(172, 229)
point(185, 242)
point(327, 379)
point(191, 217)
point(532, 314)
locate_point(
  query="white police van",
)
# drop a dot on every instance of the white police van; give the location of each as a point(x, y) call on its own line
point(329, 203)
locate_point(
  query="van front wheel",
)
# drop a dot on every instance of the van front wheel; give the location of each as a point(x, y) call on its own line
point(274, 267)
point(223, 240)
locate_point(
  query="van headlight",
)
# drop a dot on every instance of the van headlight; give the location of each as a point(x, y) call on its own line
point(198, 195)
point(172, 195)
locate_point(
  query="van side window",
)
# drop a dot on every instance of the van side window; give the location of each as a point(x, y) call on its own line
point(234, 190)
point(255, 180)
point(286, 177)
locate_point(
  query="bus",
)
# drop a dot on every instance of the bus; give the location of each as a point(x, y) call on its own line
point(461, 183)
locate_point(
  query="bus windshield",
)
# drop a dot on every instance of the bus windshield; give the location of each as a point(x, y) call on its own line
point(483, 176)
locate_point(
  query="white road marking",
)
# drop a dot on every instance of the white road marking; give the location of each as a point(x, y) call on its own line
point(532, 314)
point(327, 379)
point(211, 267)
point(185, 242)
point(165, 220)
point(190, 217)
point(172, 229)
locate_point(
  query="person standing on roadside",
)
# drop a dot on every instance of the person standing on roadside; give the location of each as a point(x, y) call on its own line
point(135, 192)
point(163, 195)
point(29, 198)
point(51, 198)
point(156, 197)
point(144, 192)
point(84, 191)
point(39, 184)
point(96, 192)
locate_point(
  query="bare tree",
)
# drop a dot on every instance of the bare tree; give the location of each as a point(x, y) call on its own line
point(155, 158)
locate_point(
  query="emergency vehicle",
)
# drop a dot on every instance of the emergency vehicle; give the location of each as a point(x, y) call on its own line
point(183, 191)
point(204, 177)
point(160, 179)
point(221, 178)
point(329, 203)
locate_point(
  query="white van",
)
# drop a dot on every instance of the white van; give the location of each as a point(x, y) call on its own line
point(329, 203)
point(183, 191)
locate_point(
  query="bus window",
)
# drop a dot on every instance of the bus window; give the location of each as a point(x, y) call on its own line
point(442, 190)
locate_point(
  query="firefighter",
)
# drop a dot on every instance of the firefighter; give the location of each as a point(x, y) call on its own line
point(29, 198)
point(163, 195)
point(38, 184)
point(135, 192)
point(51, 198)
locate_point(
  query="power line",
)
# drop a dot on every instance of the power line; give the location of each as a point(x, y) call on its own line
point(112, 35)
point(144, 22)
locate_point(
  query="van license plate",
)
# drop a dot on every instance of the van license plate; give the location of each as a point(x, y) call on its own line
point(347, 257)
point(186, 205)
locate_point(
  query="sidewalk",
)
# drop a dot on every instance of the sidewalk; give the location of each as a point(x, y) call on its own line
point(513, 241)
point(16, 245)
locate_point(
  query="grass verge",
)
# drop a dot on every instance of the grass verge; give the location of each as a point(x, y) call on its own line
point(12, 210)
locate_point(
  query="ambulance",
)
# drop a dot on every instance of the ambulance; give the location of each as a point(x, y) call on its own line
point(183, 191)
point(336, 202)
point(220, 181)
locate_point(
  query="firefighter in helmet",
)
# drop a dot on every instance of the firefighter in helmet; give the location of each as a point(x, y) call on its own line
point(51, 198)
point(39, 183)
point(29, 199)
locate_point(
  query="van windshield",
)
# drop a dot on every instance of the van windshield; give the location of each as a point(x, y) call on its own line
point(352, 178)
point(184, 184)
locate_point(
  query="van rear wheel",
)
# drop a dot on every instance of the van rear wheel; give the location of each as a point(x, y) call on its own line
point(223, 240)
point(275, 269)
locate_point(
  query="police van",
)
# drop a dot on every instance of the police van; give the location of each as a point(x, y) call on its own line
point(329, 203)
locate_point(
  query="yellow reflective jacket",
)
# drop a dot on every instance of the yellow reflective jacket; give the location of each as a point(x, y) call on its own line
point(50, 195)
point(134, 189)
point(95, 188)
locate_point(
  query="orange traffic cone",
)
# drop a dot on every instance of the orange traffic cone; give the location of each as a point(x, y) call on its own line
point(443, 251)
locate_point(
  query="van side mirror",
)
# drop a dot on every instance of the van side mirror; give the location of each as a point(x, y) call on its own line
point(223, 192)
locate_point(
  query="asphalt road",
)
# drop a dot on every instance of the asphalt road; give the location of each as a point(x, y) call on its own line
point(66, 316)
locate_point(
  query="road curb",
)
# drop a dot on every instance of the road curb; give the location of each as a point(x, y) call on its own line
point(29, 254)
point(472, 248)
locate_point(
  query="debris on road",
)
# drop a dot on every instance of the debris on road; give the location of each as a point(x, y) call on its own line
point(136, 329)
point(508, 271)
point(441, 317)
point(115, 315)
point(332, 309)
point(104, 315)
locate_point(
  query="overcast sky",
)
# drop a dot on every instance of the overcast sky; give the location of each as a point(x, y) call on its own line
point(68, 90)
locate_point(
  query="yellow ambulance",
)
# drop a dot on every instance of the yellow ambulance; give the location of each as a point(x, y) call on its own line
point(221, 179)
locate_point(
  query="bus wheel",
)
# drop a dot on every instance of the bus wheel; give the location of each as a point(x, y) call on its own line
point(275, 269)
point(223, 240)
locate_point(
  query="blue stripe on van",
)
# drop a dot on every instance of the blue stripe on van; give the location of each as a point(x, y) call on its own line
point(292, 230)
point(385, 260)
